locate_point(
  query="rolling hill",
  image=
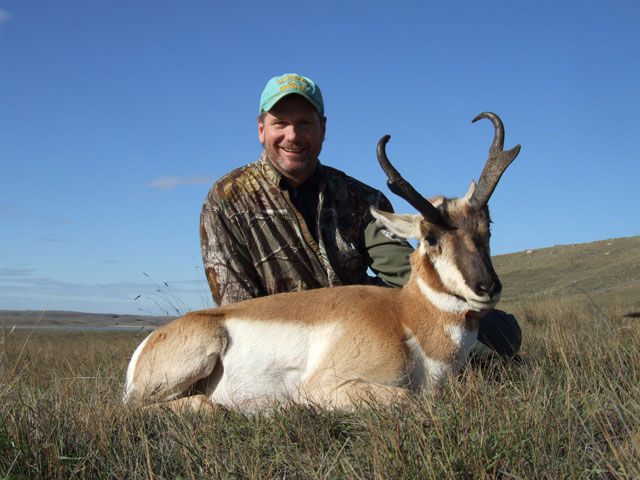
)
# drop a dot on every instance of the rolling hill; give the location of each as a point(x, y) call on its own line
point(606, 272)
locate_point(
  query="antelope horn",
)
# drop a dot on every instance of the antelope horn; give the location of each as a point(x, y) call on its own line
point(497, 163)
point(403, 189)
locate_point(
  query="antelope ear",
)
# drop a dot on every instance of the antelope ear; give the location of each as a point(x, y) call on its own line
point(404, 225)
point(471, 191)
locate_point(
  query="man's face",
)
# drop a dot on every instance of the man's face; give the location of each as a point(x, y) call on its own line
point(292, 133)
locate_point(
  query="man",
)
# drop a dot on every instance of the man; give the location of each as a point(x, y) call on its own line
point(287, 222)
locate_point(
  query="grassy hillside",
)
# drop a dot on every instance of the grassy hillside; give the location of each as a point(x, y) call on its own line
point(606, 272)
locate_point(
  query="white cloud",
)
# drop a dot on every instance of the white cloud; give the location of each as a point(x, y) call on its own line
point(4, 16)
point(169, 183)
point(16, 272)
point(56, 220)
point(9, 210)
point(55, 240)
point(20, 289)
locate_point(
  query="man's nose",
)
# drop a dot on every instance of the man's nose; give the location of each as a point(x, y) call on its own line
point(291, 133)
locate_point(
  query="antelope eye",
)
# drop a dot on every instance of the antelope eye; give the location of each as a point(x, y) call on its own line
point(431, 240)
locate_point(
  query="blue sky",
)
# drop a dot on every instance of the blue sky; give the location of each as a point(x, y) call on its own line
point(116, 117)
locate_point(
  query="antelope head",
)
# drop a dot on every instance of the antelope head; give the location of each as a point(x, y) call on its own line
point(452, 265)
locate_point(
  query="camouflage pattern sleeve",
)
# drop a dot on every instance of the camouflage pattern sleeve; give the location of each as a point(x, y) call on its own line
point(227, 263)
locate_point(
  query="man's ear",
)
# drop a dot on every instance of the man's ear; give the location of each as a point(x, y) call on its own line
point(323, 126)
point(261, 131)
point(404, 225)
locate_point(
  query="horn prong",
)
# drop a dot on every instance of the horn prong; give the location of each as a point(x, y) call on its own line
point(496, 164)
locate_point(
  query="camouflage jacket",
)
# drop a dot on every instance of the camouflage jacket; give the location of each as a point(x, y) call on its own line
point(255, 242)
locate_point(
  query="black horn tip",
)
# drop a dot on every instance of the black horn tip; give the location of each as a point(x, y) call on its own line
point(384, 140)
point(498, 139)
point(490, 115)
point(382, 143)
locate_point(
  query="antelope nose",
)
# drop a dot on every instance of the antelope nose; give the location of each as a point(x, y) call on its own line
point(489, 288)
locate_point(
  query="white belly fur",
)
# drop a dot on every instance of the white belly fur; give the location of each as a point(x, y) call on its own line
point(266, 363)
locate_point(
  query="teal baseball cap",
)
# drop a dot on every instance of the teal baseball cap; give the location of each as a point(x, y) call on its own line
point(279, 87)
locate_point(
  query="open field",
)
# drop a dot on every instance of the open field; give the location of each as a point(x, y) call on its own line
point(568, 408)
point(59, 319)
point(606, 273)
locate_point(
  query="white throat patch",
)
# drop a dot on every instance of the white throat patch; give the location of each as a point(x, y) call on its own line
point(464, 340)
point(443, 301)
point(425, 372)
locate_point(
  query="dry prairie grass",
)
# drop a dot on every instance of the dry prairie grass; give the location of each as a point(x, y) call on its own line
point(569, 408)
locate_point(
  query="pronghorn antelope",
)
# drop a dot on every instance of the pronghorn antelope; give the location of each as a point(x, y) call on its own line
point(337, 347)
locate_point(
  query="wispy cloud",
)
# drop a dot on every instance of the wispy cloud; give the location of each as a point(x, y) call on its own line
point(19, 288)
point(9, 272)
point(23, 280)
point(4, 16)
point(55, 220)
point(9, 210)
point(170, 183)
point(55, 240)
